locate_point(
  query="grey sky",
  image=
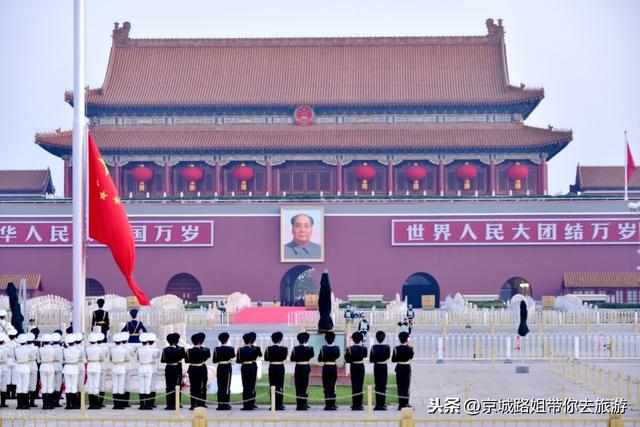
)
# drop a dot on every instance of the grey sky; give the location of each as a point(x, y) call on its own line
point(586, 55)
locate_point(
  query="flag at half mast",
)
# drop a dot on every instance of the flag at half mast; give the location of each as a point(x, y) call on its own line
point(108, 221)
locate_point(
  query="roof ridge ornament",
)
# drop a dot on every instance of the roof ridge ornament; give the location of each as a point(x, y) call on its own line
point(494, 30)
point(120, 34)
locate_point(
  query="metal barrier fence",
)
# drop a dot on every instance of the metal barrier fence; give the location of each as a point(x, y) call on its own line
point(486, 346)
point(406, 418)
point(484, 317)
point(199, 318)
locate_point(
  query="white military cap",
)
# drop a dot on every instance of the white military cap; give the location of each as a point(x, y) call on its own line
point(12, 332)
point(45, 338)
point(124, 336)
point(3, 337)
point(22, 339)
point(70, 339)
point(100, 336)
point(30, 336)
point(144, 337)
point(116, 337)
point(151, 337)
point(93, 337)
point(3, 312)
point(79, 336)
point(55, 337)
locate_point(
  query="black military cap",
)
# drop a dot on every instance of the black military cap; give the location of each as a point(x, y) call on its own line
point(403, 337)
point(252, 337)
point(201, 337)
point(380, 336)
point(223, 337)
point(173, 338)
point(246, 338)
point(276, 337)
point(194, 339)
point(100, 302)
point(356, 337)
point(303, 337)
point(330, 337)
point(134, 313)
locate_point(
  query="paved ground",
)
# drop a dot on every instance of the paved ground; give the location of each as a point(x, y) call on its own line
point(429, 381)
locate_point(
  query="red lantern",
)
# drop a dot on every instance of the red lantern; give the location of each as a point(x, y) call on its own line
point(517, 173)
point(192, 173)
point(243, 174)
point(467, 172)
point(416, 173)
point(365, 173)
point(142, 174)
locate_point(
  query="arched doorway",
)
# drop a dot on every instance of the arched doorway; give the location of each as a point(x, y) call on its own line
point(184, 286)
point(297, 282)
point(513, 286)
point(93, 288)
point(419, 284)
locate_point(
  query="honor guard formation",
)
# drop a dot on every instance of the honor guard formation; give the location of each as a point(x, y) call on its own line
point(62, 365)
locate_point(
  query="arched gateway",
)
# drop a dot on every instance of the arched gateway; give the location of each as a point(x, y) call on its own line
point(513, 286)
point(94, 288)
point(295, 284)
point(419, 284)
point(184, 286)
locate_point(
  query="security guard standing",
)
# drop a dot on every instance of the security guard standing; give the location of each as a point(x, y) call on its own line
point(120, 356)
point(247, 355)
point(223, 355)
point(329, 353)
point(363, 326)
point(301, 354)
point(73, 357)
point(172, 357)
point(379, 356)
point(410, 314)
point(402, 355)
point(355, 354)
point(197, 357)
point(58, 356)
point(134, 327)
point(22, 354)
point(94, 355)
point(100, 317)
point(4, 370)
point(146, 356)
point(276, 354)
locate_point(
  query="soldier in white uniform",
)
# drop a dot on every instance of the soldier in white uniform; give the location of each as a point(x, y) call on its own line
point(58, 357)
point(94, 355)
point(105, 368)
point(46, 356)
point(154, 366)
point(131, 348)
point(119, 359)
point(33, 369)
point(145, 370)
point(22, 355)
point(4, 369)
point(73, 357)
point(81, 366)
point(11, 363)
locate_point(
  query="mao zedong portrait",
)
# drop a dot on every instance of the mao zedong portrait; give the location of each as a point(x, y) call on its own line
point(301, 246)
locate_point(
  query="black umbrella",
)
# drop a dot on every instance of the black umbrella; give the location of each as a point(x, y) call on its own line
point(522, 328)
point(324, 304)
point(16, 315)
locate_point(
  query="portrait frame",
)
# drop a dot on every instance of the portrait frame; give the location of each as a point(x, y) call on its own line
point(289, 252)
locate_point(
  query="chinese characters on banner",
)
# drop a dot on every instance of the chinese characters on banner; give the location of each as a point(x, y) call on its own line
point(529, 231)
point(194, 233)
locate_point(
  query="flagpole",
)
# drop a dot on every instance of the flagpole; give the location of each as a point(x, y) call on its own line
point(79, 167)
point(626, 167)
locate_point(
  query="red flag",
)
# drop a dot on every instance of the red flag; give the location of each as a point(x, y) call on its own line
point(631, 165)
point(108, 222)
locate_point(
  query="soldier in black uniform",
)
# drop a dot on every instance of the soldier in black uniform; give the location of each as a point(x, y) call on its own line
point(379, 355)
point(172, 356)
point(329, 353)
point(197, 357)
point(402, 355)
point(301, 354)
point(247, 355)
point(134, 327)
point(276, 354)
point(355, 354)
point(223, 355)
point(100, 318)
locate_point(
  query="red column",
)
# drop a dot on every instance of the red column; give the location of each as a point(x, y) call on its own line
point(67, 178)
point(168, 170)
point(269, 175)
point(441, 177)
point(116, 175)
point(492, 177)
point(390, 189)
point(542, 178)
point(219, 188)
point(339, 189)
